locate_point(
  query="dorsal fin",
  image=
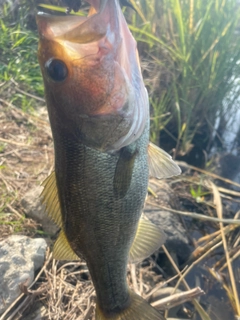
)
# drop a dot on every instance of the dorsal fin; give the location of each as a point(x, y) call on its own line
point(161, 164)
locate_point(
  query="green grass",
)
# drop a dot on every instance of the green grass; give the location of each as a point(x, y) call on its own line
point(18, 60)
point(191, 51)
point(193, 48)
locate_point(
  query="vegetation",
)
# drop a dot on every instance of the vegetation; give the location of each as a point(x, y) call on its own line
point(192, 53)
point(190, 56)
point(190, 63)
point(19, 67)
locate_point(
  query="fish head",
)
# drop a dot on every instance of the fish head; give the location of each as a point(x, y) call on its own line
point(92, 76)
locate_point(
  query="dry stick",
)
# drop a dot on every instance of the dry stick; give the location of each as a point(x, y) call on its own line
point(14, 211)
point(134, 278)
point(218, 203)
point(228, 289)
point(49, 256)
point(221, 189)
point(196, 262)
point(178, 298)
point(235, 256)
point(18, 143)
point(208, 237)
point(30, 95)
point(213, 175)
point(61, 290)
point(24, 92)
point(89, 312)
point(228, 191)
point(198, 307)
point(25, 301)
point(196, 215)
point(26, 115)
point(201, 250)
point(54, 271)
point(141, 282)
point(156, 288)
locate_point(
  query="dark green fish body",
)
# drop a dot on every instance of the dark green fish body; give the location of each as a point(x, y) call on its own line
point(99, 224)
point(99, 115)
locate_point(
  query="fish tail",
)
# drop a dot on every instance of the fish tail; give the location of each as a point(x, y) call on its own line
point(138, 309)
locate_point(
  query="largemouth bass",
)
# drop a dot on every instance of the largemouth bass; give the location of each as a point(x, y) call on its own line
point(99, 115)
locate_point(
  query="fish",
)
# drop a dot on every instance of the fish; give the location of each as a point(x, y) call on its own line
point(98, 109)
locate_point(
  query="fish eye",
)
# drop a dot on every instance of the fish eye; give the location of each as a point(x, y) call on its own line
point(56, 69)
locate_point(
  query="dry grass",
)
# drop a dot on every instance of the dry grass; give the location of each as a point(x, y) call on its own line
point(26, 156)
point(63, 290)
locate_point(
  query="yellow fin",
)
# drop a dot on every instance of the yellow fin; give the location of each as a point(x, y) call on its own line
point(138, 309)
point(147, 240)
point(161, 164)
point(62, 249)
point(50, 199)
point(123, 171)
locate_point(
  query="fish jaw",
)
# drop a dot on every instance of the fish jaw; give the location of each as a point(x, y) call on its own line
point(103, 73)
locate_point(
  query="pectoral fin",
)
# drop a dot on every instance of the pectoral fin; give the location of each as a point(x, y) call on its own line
point(161, 164)
point(147, 240)
point(62, 249)
point(50, 199)
point(123, 171)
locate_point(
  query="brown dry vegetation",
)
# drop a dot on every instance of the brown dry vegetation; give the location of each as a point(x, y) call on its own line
point(63, 290)
point(26, 156)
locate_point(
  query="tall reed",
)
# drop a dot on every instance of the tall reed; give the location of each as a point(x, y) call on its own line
point(193, 53)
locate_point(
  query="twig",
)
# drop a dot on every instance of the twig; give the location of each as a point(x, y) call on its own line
point(89, 312)
point(218, 203)
point(198, 307)
point(134, 278)
point(213, 175)
point(26, 93)
point(156, 288)
point(235, 256)
point(14, 211)
point(17, 143)
point(201, 250)
point(196, 215)
point(177, 298)
point(196, 262)
point(30, 95)
point(49, 256)
point(209, 236)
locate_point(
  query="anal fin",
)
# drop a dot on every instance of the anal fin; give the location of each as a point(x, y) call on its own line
point(147, 240)
point(62, 249)
point(161, 164)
